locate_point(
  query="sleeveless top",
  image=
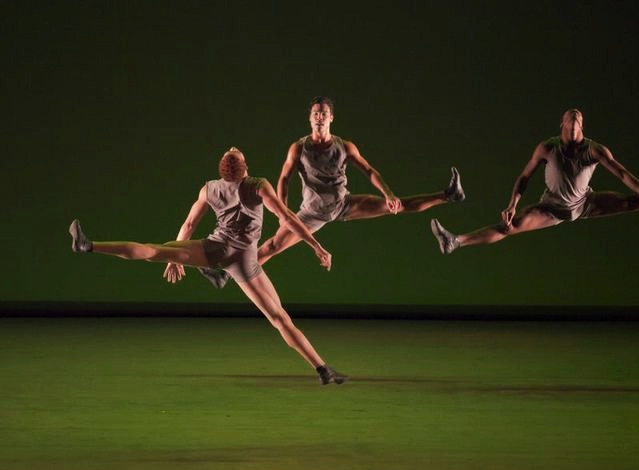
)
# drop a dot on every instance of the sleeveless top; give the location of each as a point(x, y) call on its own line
point(323, 174)
point(239, 211)
point(567, 178)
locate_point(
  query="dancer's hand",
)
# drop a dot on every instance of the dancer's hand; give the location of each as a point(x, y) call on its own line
point(324, 256)
point(173, 273)
point(507, 216)
point(393, 203)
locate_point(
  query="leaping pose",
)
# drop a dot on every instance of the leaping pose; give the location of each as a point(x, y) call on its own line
point(237, 200)
point(320, 159)
point(570, 160)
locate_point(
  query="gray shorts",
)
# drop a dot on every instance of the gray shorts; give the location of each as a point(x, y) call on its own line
point(240, 263)
point(563, 211)
point(314, 220)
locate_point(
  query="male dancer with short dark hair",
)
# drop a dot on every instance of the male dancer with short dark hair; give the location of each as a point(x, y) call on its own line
point(321, 159)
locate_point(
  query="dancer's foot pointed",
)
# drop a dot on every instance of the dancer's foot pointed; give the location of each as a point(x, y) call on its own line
point(217, 276)
point(328, 376)
point(447, 241)
point(80, 241)
point(454, 192)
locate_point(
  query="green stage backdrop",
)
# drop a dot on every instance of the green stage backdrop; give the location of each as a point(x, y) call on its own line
point(116, 113)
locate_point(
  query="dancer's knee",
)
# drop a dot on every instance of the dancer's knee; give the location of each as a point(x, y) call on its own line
point(282, 323)
point(139, 251)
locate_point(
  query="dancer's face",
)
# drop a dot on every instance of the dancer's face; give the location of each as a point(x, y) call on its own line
point(321, 117)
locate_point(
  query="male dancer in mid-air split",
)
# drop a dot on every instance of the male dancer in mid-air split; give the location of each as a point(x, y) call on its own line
point(570, 160)
point(237, 201)
point(320, 159)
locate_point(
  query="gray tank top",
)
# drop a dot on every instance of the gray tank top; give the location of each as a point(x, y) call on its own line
point(239, 211)
point(567, 179)
point(323, 174)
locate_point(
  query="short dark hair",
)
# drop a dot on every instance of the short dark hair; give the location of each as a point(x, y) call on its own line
point(321, 100)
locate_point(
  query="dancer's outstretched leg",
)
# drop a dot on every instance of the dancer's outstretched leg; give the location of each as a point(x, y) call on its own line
point(187, 252)
point(533, 217)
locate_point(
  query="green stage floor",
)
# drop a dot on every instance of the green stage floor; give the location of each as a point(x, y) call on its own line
point(221, 393)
